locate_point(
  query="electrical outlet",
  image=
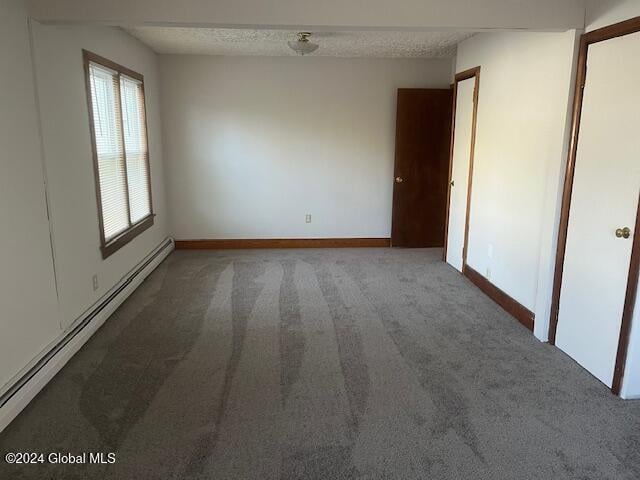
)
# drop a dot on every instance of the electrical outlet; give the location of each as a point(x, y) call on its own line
point(94, 279)
point(488, 273)
point(307, 218)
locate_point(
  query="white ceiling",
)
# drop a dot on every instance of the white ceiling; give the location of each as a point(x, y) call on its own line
point(268, 42)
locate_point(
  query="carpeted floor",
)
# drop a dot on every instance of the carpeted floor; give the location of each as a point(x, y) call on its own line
point(322, 364)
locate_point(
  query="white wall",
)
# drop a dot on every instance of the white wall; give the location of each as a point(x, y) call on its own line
point(29, 319)
point(601, 13)
point(522, 131)
point(47, 161)
point(253, 144)
point(69, 164)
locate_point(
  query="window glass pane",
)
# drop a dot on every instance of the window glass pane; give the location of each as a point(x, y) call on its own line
point(135, 140)
point(109, 149)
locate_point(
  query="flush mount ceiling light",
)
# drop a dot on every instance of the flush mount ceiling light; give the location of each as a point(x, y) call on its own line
point(303, 46)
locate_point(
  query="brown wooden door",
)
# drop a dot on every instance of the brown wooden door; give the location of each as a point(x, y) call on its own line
point(423, 142)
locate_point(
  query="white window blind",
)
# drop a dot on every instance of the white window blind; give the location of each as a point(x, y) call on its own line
point(135, 143)
point(120, 136)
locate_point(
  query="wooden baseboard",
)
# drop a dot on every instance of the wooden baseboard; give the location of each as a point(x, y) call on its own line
point(525, 316)
point(237, 244)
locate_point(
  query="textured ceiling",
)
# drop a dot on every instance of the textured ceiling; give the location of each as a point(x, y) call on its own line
point(232, 41)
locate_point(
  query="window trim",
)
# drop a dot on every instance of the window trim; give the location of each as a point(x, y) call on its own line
point(111, 246)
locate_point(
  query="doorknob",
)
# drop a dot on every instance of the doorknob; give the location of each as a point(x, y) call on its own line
point(623, 232)
point(399, 180)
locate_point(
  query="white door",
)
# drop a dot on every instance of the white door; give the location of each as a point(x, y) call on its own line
point(605, 197)
point(460, 171)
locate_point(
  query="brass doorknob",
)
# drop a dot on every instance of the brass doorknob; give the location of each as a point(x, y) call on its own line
point(623, 232)
point(399, 180)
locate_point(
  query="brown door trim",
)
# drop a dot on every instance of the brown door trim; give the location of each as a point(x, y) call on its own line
point(460, 77)
point(600, 35)
point(255, 243)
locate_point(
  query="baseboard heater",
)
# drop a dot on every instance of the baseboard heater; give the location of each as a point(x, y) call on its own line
point(82, 323)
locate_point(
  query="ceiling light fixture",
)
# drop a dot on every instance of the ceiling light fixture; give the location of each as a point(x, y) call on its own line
point(303, 46)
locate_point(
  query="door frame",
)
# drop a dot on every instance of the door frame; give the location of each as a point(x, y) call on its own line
point(461, 77)
point(606, 33)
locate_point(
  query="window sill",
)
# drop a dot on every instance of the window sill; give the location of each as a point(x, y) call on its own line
point(125, 237)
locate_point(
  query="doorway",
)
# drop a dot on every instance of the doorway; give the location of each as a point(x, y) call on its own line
point(598, 254)
point(423, 133)
point(463, 140)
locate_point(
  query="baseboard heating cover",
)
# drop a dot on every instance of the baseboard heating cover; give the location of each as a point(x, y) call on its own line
point(25, 386)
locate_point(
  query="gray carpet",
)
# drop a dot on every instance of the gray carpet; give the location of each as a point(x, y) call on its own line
point(323, 364)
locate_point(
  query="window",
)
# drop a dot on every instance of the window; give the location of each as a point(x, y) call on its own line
point(115, 96)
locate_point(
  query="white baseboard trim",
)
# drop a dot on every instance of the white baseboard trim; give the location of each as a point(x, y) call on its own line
point(27, 385)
